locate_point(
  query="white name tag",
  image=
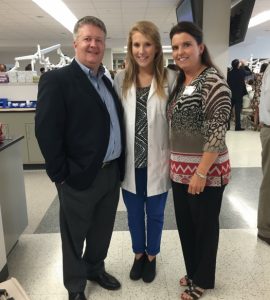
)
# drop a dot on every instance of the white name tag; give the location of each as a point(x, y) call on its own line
point(189, 89)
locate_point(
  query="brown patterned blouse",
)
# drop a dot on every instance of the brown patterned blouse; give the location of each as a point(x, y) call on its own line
point(198, 123)
point(257, 91)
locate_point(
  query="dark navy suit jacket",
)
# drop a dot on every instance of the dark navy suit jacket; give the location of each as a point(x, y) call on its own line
point(72, 126)
point(236, 82)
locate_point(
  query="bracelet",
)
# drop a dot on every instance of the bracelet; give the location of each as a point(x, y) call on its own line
point(200, 175)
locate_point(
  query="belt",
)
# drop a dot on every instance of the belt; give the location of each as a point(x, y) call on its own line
point(107, 163)
point(267, 126)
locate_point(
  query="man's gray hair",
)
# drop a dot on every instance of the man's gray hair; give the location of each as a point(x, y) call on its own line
point(88, 20)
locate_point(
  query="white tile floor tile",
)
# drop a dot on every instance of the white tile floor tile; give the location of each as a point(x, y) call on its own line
point(244, 148)
point(243, 268)
point(40, 192)
point(121, 204)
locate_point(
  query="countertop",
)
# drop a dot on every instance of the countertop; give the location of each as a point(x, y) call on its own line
point(8, 142)
point(17, 110)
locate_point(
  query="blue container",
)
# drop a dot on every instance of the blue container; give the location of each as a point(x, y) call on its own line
point(4, 102)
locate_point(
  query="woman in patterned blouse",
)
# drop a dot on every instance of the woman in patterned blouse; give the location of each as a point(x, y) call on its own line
point(257, 83)
point(198, 112)
point(144, 87)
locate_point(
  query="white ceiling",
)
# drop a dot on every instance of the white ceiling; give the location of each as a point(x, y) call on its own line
point(24, 24)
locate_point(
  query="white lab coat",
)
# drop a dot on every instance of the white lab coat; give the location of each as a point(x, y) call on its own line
point(158, 180)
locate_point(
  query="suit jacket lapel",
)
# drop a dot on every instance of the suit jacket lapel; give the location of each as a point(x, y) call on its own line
point(85, 84)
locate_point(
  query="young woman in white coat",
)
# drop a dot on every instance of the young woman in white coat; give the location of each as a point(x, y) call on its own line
point(144, 87)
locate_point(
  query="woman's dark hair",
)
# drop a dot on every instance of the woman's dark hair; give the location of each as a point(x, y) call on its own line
point(263, 67)
point(195, 31)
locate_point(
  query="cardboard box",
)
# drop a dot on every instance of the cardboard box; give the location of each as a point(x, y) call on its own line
point(13, 77)
point(14, 289)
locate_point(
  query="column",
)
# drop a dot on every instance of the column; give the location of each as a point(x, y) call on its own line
point(216, 29)
point(107, 59)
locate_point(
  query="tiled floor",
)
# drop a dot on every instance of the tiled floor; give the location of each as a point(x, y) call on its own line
point(243, 266)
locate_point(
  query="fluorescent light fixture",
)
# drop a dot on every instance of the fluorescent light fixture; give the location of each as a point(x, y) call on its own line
point(59, 11)
point(259, 19)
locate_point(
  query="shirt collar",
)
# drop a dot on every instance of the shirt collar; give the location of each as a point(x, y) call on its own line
point(89, 72)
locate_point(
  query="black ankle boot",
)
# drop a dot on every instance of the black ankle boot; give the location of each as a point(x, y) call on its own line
point(137, 268)
point(149, 271)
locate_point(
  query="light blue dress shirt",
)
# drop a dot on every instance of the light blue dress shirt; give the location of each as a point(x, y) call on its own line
point(115, 145)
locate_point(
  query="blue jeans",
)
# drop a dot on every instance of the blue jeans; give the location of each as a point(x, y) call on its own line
point(145, 237)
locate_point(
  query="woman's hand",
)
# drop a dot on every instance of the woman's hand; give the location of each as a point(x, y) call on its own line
point(198, 180)
point(197, 184)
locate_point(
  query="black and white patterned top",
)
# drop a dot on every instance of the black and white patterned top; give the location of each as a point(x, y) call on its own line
point(198, 123)
point(141, 131)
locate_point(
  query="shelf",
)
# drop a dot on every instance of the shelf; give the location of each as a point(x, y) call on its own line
point(18, 83)
point(17, 109)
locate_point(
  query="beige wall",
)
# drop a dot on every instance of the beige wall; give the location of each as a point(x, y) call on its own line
point(216, 25)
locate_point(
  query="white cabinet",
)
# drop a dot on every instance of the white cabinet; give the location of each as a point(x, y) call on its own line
point(13, 199)
point(34, 153)
point(3, 259)
point(21, 122)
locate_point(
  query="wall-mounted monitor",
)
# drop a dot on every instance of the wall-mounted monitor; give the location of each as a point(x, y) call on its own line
point(240, 16)
point(190, 10)
point(241, 11)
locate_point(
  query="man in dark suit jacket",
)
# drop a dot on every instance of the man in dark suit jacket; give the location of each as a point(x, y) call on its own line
point(236, 82)
point(79, 131)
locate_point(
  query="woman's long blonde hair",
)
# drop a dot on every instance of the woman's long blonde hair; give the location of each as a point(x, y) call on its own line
point(150, 31)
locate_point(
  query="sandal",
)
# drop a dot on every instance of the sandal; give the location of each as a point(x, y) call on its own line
point(192, 293)
point(185, 281)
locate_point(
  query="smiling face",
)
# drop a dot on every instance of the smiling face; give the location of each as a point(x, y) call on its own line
point(186, 52)
point(143, 50)
point(90, 46)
